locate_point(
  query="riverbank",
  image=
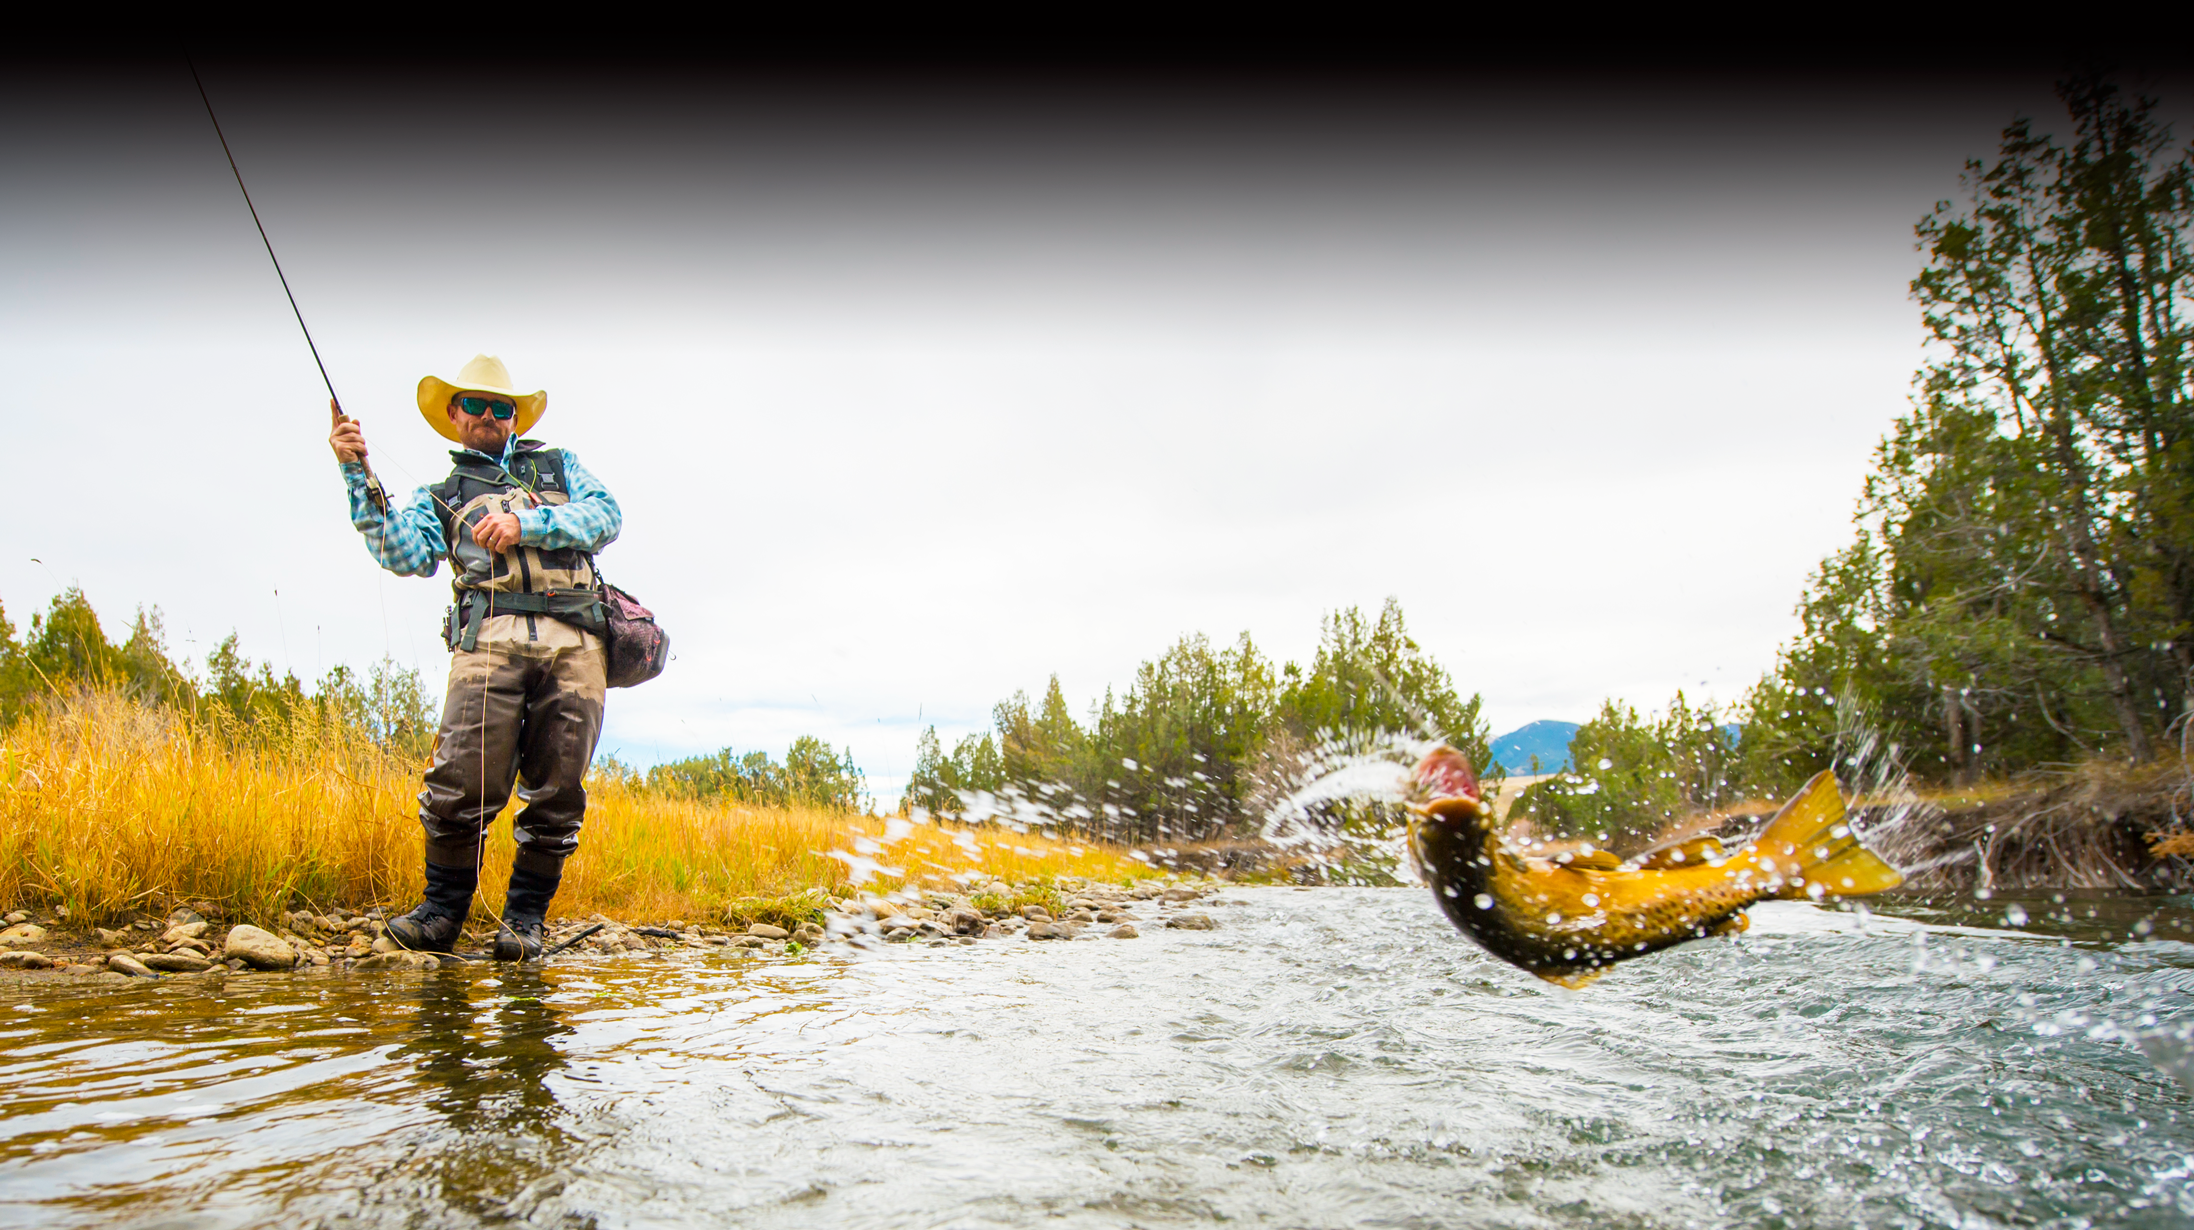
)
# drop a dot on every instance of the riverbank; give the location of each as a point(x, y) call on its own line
point(186, 943)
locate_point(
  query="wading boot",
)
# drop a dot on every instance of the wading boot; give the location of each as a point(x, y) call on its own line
point(525, 914)
point(434, 926)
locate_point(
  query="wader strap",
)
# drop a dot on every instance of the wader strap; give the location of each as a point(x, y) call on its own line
point(580, 607)
point(473, 614)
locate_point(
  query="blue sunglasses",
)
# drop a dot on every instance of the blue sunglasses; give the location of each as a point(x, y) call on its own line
point(477, 406)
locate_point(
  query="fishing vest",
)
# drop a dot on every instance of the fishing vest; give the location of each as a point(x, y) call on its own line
point(527, 580)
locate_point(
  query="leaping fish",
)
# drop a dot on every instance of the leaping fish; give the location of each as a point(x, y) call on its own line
point(1569, 922)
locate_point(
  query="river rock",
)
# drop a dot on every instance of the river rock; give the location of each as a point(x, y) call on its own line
point(258, 949)
point(80, 970)
point(181, 962)
point(1125, 931)
point(767, 932)
point(398, 961)
point(964, 920)
point(1179, 894)
point(185, 931)
point(809, 934)
point(1192, 922)
point(14, 917)
point(25, 960)
point(1045, 930)
point(181, 917)
point(123, 963)
point(1034, 912)
point(22, 934)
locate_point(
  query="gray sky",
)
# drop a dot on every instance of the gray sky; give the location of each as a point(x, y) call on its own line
point(914, 395)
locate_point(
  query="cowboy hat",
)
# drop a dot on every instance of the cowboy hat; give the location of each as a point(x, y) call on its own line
point(485, 374)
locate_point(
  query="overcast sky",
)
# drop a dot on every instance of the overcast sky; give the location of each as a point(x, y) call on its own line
point(915, 392)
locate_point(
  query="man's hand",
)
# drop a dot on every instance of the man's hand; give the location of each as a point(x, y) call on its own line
point(348, 442)
point(498, 532)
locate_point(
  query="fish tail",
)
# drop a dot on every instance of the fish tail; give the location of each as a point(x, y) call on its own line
point(1811, 846)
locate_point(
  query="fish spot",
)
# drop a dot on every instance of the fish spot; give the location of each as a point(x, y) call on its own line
point(1816, 890)
point(1554, 917)
point(1483, 901)
point(1850, 883)
point(1592, 899)
point(1569, 954)
point(1841, 830)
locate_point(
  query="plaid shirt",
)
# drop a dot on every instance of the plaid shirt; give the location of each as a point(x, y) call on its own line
point(408, 541)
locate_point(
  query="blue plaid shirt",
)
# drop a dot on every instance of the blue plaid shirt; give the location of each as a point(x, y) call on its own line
point(408, 541)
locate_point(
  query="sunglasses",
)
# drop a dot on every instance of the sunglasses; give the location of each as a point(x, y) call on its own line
point(477, 406)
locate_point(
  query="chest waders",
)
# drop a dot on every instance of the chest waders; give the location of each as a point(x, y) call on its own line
point(524, 706)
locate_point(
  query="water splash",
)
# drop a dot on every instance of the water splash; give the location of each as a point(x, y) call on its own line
point(1338, 806)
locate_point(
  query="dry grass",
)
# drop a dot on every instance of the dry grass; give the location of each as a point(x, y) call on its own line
point(112, 809)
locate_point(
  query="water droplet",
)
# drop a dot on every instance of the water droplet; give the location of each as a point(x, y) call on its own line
point(1482, 901)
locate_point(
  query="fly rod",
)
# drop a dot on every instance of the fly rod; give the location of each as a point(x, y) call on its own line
point(374, 492)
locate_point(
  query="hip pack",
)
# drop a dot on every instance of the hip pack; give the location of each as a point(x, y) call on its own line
point(638, 648)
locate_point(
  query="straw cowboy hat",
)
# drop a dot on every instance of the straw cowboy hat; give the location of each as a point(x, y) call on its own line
point(485, 374)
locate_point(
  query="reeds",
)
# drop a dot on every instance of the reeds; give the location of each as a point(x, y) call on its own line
point(111, 809)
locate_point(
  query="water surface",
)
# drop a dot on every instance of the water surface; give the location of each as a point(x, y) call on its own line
point(1334, 1057)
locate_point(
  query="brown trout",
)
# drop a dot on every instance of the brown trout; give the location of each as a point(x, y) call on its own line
point(1569, 921)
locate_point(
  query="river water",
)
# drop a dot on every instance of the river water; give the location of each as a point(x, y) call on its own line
point(1329, 1057)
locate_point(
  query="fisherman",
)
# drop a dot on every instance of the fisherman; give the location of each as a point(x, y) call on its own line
point(519, 522)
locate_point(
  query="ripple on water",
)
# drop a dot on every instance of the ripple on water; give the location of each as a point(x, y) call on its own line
point(1330, 1058)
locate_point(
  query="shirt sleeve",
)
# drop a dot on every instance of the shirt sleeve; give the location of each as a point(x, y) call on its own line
point(408, 539)
point(589, 521)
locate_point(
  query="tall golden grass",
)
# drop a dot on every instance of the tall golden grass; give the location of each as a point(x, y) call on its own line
point(112, 809)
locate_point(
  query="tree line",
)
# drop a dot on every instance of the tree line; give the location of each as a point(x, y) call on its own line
point(65, 648)
point(2019, 589)
point(1205, 740)
point(811, 775)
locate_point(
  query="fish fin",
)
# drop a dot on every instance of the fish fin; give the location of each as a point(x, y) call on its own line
point(1575, 982)
point(1598, 860)
point(1736, 924)
point(1854, 873)
point(1681, 854)
point(1821, 848)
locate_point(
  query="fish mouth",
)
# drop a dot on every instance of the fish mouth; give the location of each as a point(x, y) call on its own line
point(1446, 787)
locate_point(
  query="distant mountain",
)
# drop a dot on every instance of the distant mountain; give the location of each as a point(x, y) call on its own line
point(1548, 740)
